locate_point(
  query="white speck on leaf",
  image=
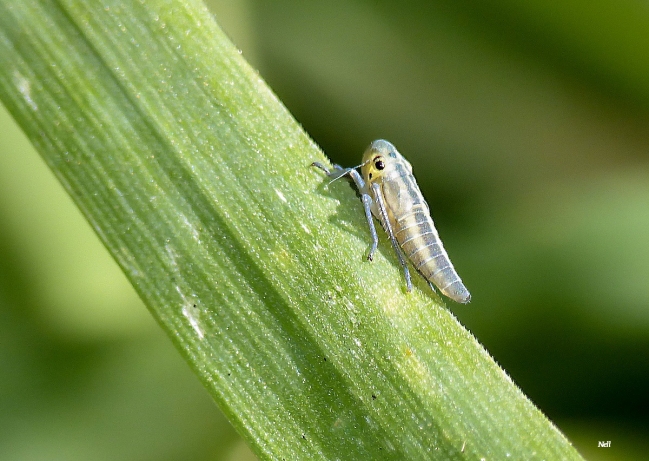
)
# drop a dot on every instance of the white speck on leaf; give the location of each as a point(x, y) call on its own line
point(281, 196)
point(25, 88)
point(192, 313)
point(172, 260)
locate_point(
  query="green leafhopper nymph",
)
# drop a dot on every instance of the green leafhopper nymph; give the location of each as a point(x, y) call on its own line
point(390, 193)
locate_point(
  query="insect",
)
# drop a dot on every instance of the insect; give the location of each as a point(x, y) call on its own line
point(390, 193)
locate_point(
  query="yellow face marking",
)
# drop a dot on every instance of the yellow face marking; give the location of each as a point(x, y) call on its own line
point(379, 160)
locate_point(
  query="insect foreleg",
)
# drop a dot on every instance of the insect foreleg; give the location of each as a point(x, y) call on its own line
point(365, 197)
point(322, 167)
point(376, 189)
point(367, 204)
point(338, 171)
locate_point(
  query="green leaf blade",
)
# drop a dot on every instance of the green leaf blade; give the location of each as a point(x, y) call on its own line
point(198, 182)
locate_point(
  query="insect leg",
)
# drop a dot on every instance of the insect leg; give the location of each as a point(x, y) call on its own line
point(365, 197)
point(322, 167)
point(367, 204)
point(384, 217)
point(337, 172)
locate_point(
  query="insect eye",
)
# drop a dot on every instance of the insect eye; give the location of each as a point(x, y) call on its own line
point(379, 164)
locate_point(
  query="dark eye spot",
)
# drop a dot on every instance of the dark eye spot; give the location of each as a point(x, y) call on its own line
point(379, 164)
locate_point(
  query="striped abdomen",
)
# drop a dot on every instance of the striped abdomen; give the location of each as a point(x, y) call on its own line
point(414, 230)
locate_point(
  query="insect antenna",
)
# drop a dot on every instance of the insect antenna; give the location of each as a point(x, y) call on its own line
point(340, 172)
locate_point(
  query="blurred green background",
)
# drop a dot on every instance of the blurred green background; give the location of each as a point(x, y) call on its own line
point(527, 124)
